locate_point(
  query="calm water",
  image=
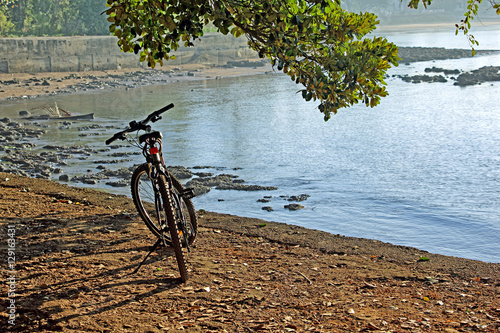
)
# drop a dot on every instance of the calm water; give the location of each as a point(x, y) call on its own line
point(422, 169)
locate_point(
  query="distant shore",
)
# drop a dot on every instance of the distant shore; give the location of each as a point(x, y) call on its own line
point(23, 86)
point(433, 26)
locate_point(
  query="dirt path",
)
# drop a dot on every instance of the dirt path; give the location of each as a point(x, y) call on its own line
point(75, 249)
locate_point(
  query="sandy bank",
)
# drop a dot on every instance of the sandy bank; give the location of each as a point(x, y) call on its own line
point(32, 85)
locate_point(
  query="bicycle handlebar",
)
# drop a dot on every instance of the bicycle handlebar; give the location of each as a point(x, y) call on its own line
point(141, 125)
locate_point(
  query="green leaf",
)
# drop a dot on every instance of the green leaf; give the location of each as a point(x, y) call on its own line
point(137, 48)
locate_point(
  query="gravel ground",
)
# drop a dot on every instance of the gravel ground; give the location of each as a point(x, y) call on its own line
point(75, 250)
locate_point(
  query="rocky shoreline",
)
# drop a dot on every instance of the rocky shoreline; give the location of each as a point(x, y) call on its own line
point(18, 137)
point(416, 54)
point(23, 86)
point(21, 154)
point(476, 77)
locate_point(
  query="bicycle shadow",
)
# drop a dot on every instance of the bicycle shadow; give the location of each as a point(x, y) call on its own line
point(79, 260)
point(99, 307)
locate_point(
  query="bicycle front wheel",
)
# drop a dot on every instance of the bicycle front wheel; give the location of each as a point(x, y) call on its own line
point(166, 195)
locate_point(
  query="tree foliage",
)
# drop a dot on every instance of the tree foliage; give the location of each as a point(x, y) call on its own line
point(315, 42)
point(472, 10)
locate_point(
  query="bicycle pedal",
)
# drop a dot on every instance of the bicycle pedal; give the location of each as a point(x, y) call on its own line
point(188, 193)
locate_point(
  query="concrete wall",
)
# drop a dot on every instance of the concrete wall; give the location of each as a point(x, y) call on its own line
point(69, 54)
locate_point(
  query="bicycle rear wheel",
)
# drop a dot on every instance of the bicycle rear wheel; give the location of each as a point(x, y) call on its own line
point(148, 201)
point(185, 214)
point(149, 204)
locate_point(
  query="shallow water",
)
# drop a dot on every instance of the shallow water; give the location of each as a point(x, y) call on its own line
point(422, 169)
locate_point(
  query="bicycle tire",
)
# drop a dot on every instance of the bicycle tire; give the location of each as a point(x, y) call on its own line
point(146, 203)
point(184, 207)
point(172, 227)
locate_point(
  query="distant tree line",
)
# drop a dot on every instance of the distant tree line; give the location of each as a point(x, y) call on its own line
point(83, 17)
point(52, 18)
point(398, 7)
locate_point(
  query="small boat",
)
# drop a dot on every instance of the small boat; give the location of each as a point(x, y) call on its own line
point(54, 113)
point(88, 116)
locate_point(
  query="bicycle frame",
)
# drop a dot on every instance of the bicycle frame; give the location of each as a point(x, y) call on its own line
point(152, 151)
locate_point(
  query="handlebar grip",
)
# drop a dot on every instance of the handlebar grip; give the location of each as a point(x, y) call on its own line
point(155, 116)
point(108, 141)
point(165, 108)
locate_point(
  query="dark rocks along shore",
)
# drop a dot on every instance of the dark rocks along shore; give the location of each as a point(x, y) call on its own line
point(415, 54)
point(478, 76)
point(20, 154)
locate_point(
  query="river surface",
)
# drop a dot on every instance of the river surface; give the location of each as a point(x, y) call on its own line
point(421, 170)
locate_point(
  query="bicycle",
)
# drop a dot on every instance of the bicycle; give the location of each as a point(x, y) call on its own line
point(162, 202)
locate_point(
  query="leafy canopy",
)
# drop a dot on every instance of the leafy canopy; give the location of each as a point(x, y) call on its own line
point(315, 42)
